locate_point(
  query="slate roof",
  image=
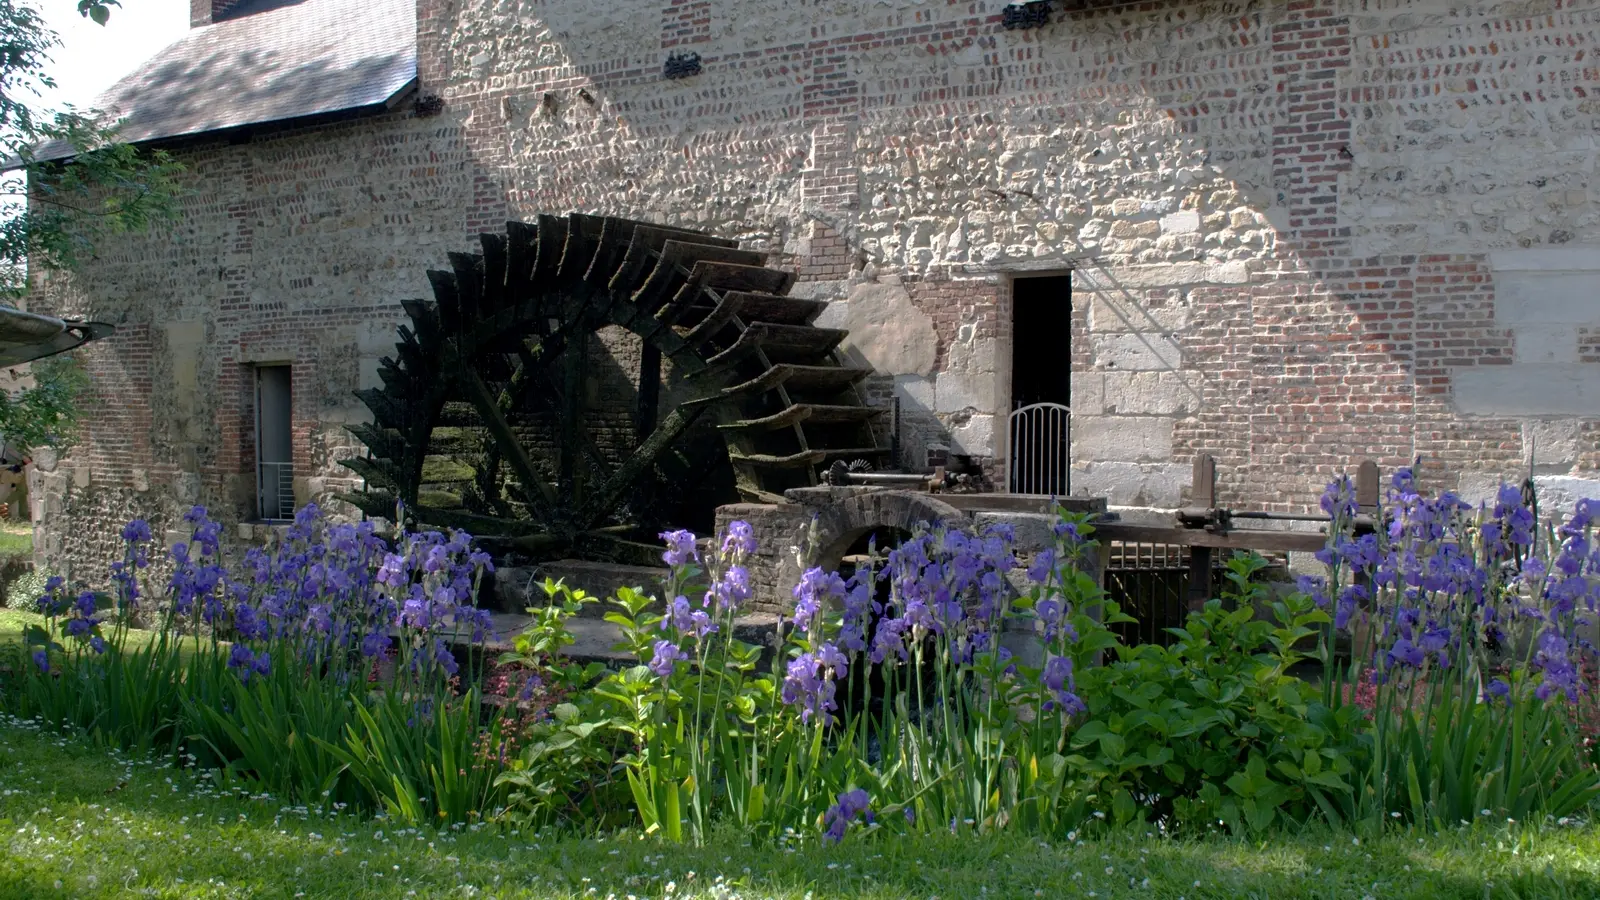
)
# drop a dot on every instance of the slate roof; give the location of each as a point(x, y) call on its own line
point(290, 61)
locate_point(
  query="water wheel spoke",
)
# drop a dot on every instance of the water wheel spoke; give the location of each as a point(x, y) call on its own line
point(535, 490)
point(611, 492)
point(532, 379)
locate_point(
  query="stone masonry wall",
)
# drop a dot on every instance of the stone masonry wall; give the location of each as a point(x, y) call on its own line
point(293, 248)
point(1299, 233)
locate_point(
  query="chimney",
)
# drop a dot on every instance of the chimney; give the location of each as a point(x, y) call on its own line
point(205, 12)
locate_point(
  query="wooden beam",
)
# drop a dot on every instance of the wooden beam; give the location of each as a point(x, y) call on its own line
point(602, 501)
point(1277, 541)
point(1367, 488)
point(1205, 497)
point(574, 387)
point(645, 415)
point(1023, 503)
point(534, 488)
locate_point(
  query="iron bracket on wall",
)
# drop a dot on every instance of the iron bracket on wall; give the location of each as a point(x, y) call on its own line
point(1033, 14)
point(681, 65)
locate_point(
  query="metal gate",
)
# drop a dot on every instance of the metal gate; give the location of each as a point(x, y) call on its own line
point(1149, 582)
point(1040, 450)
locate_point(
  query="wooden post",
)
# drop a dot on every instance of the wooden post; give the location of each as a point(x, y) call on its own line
point(1367, 478)
point(1204, 497)
point(1367, 488)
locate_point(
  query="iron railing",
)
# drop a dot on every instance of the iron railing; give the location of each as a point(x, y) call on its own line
point(275, 490)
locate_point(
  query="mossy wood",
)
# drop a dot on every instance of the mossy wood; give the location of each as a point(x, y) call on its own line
point(499, 412)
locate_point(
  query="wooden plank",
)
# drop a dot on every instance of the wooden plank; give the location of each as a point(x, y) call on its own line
point(731, 277)
point(574, 380)
point(1024, 503)
point(1279, 541)
point(1205, 481)
point(534, 487)
point(649, 399)
point(1204, 489)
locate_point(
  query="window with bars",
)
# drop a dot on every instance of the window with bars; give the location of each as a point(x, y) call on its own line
point(274, 444)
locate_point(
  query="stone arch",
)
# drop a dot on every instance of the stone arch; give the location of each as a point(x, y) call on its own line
point(843, 521)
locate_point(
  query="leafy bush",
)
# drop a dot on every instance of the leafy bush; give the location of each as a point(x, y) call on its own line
point(1214, 728)
point(1471, 634)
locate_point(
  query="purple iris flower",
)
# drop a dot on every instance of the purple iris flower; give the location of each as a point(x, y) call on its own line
point(739, 540)
point(680, 548)
point(1496, 690)
point(666, 658)
point(1406, 653)
point(815, 589)
point(1057, 679)
point(851, 806)
point(809, 684)
point(1043, 566)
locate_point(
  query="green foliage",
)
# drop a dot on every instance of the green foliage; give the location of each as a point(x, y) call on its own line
point(272, 732)
point(107, 826)
point(1446, 758)
point(1214, 728)
point(102, 188)
point(46, 414)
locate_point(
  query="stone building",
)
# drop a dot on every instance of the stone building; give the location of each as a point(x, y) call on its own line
point(1291, 234)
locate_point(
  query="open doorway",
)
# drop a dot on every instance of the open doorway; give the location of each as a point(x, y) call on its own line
point(1039, 426)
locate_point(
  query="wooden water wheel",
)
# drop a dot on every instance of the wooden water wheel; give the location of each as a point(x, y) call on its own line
point(584, 381)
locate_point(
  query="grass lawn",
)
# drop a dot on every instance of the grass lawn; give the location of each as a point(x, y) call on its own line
point(76, 821)
point(16, 538)
point(12, 622)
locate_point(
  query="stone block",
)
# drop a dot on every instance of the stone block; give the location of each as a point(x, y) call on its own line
point(1121, 439)
point(1550, 444)
point(1139, 351)
point(1158, 485)
point(1562, 292)
point(887, 331)
point(1181, 222)
point(80, 477)
point(1114, 312)
point(1033, 529)
point(1558, 494)
point(1088, 393)
point(915, 392)
point(1519, 390)
point(974, 435)
point(1151, 393)
point(957, 391)
point(1545, 343)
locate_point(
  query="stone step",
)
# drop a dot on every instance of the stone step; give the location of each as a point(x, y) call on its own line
point(518, 587)
point(595, 640)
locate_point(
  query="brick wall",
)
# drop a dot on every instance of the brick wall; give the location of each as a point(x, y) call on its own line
point(294, 248)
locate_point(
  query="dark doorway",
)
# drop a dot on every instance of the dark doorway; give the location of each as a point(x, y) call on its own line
point(1039, 427)
point(1041, 343)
